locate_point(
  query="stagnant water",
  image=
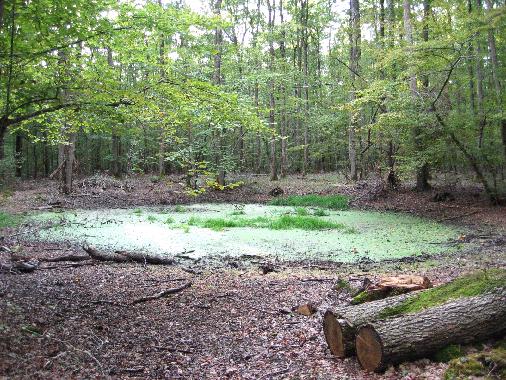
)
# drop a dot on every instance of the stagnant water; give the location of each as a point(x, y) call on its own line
point(376, 235)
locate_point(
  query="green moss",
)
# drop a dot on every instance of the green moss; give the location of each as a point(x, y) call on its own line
point(366, 296)
point(335, 202)
point(284, 222)
point(448, 353)
point(466, 286)
point(9, 220)
point(486, 364)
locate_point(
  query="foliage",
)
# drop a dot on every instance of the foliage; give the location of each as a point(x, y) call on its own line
point(466, 286)
point(335, 202)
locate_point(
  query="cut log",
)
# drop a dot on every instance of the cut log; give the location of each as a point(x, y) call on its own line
point(340, 325)
point(123, 256)
point(419, 335)
point(392, 286)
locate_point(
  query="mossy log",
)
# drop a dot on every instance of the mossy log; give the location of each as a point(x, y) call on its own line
point(340, 325)
point(419, 335)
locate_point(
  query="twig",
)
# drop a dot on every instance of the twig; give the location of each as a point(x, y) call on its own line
point(162, 294)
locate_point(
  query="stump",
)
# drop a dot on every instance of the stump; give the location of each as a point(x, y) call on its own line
point(419, 335)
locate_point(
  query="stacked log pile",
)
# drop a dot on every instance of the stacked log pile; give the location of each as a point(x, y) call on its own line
point(379, 341)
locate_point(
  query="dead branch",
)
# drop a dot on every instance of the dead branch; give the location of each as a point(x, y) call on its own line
point(163, 293)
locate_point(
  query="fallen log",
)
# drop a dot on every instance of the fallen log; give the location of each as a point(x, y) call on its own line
point(419, 335)
point(71, 257)
point(123, 257)
point(163, 293)
point(340, 325)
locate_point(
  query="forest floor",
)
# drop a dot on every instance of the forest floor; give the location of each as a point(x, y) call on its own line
point(234, 322)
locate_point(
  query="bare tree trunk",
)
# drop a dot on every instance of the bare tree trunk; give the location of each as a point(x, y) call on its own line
point(495, 76)
point(283, 125)
point(18, 154)
point(479, 86)
point(272, 122)
point(217, 79)
point(115, 139)
point(355, 52)
point(305, 47)
point(422, 174)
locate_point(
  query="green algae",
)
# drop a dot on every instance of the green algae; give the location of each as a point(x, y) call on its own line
point(378, 236)
point(469, 285)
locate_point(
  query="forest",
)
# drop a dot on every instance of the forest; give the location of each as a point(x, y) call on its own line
point(253, 189)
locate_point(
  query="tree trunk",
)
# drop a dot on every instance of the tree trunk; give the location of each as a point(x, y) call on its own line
point(495, 76)
point(305, 47)
point(419, 335)
point(355, 52)
point(283, 124)
point(272, 105)
point(18, 154)
point(217, 79)
point(115, 139)
point(340, 325)
point(69, 150)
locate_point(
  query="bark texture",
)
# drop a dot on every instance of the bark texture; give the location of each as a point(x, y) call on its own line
point(340, 325)
point(419, 335)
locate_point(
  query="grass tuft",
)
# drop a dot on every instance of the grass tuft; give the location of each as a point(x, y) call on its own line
point(320, 212)
point(169, 220)
point(284, 222)
point(469, 285)
point(335, 202)
point(9, 220)
point(179, 208)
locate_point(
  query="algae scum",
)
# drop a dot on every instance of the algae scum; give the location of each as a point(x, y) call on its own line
point(283, 232)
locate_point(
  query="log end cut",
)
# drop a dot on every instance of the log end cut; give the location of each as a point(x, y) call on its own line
point(369, 349)
point(336, 335)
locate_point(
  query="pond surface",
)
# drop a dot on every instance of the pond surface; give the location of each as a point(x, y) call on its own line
point(373, 235)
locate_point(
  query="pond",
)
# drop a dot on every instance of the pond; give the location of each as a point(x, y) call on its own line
point(282, 232)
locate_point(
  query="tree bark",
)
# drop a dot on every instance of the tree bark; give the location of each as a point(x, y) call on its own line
point(272, 105)
point(340, 325)
point(305, 47)
point(18, 154)
point(355, 52)
point(419, 335)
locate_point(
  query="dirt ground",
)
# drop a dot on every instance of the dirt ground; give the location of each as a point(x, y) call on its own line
point(233, 322)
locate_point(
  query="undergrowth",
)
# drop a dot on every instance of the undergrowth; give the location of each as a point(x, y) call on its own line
point(487, 364)
point(284, 222)
point(466, 286)
point(335, 202)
